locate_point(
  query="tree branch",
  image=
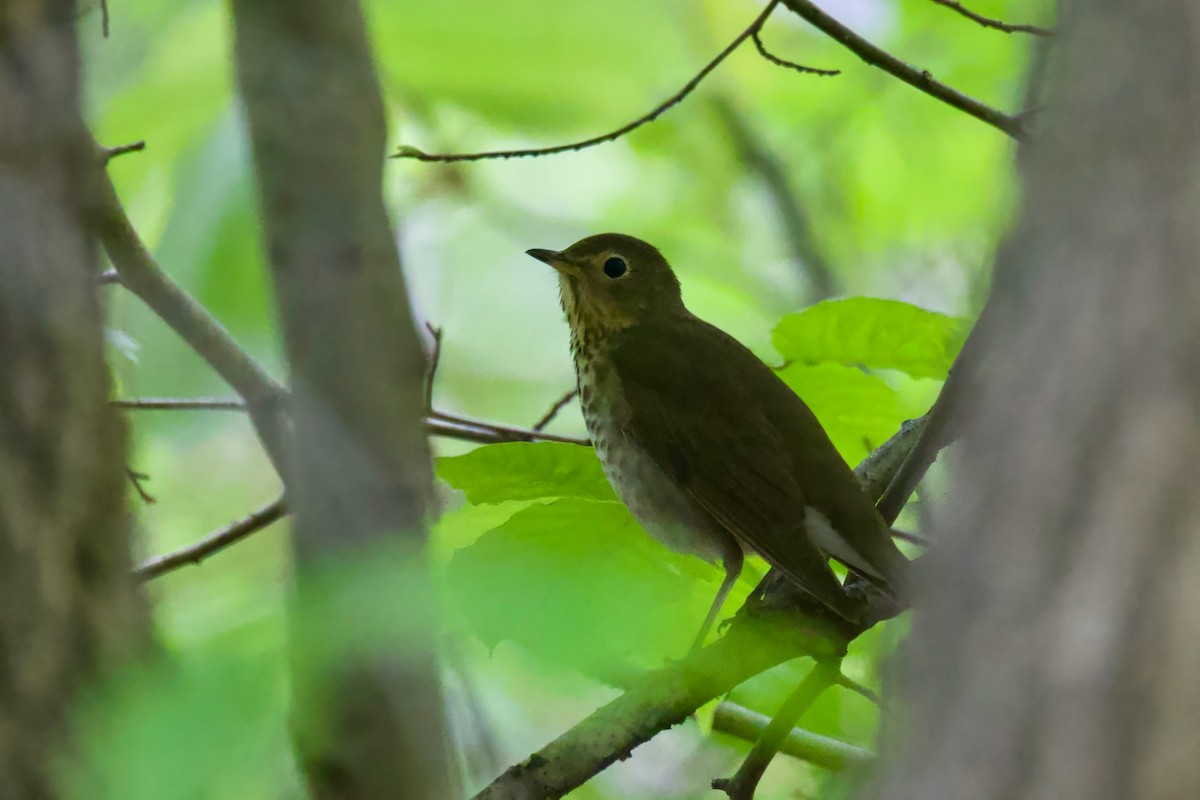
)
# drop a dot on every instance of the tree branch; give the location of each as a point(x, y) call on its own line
point(140, 274)
point(995, 24)
point(918, 79)
point(218, 540)
point(742, 785)
point(660, 700)
point(438, 423)
point(757, 639)
point(558, 406)
point(655, 113)
point(735, 720)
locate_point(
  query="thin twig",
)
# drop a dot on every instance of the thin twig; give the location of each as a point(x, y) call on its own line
point(107, 154)
point(218, 540)
point(995, 24)
point(558, 406)
point(742, 785)
point(912, 538)
point(919, 79)
point(136, 479)
point(832, 754)
point(780, 62)
point(852, 685)
point(179, 404)
point(515, 434)
point(439, 423)
point(673, 100)
point(104, 18)
point(141, 275)
point(435, 358)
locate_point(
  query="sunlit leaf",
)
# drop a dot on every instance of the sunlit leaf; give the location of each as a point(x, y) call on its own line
point(578, 582)
point(497, 473)
point(883, 334)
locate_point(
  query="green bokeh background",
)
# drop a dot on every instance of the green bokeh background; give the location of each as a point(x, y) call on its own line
point(906, 197)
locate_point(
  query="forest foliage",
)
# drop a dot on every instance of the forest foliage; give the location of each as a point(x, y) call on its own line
point(553, 596)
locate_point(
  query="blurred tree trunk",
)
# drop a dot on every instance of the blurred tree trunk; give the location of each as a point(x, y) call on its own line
point(67, 602)
point(1058, 651)
point(368, 705)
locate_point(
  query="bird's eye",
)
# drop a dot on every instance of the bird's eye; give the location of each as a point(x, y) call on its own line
point(614, 267)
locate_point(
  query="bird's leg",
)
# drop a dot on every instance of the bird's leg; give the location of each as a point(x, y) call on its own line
point(733, 569)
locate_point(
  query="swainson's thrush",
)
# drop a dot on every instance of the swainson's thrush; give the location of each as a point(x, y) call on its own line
point(713, 454)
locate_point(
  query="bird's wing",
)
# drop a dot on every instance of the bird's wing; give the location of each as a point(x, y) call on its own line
point(703, 408)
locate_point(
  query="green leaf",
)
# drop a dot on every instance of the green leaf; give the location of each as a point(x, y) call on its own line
point(497, 473)
point(858, 410)
point(883, 334)
point(579, 583)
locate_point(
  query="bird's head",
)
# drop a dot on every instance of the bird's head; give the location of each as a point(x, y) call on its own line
point(611, 281)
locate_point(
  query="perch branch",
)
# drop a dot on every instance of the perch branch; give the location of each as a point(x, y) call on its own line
point(755, 640)
point(918, 79)
point(218, 540)
point(660, 700)
point(655, 113)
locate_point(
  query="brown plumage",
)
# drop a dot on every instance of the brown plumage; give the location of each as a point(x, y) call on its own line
point(711, 451)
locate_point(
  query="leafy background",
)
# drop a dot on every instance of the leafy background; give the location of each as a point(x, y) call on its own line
point(554, 597)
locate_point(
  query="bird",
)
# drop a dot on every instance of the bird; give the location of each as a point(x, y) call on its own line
point(713, 454)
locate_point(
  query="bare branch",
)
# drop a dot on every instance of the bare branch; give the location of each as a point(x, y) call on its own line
point(779, 62)
point(136, 479)
point(558, 406)
point(218, 540)
point(757, 639)
point(435, 358)
point(995, 24)
point(735, 720)
point(659, 700)
point(141, 275)
point(673, 100)
point(504, 432)
point(180, 404)
point(911, 538)
point(918, 79)
point(941, 424)
point(438, 423)
point(742, 785)
point(107, 154)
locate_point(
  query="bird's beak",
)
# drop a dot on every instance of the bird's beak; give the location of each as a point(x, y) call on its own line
point(554, 258)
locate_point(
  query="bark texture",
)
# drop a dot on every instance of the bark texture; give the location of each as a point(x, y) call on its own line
point(369, 718)
point(67, 603)
point(1057, 654)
